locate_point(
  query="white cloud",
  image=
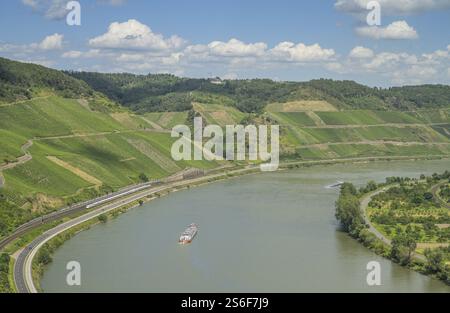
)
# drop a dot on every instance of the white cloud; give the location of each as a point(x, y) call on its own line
point(239, 54)
point(51, 9)
point(233, 52)
point(133, 35)
point(397, 68)
point(72, 54)
point(415, 74)
point(56, 9)
point(335, 67)
point(52, 42)
point(385, 61)
point(435, 57)
point(290, 52)
point(361, 53)
point(393, 7)
point(396, 30)
point(236, 48)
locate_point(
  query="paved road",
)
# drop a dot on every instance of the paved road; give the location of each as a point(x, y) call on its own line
point(23, 266)
point(68, 211)
point(20, 160)
point(363, 206)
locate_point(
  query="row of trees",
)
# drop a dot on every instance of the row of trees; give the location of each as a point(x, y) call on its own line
point(4, 273)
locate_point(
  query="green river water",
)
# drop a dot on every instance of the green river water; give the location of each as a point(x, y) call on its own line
point(271, 232)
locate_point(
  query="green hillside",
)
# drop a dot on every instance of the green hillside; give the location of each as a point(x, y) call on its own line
point(21, 81)
point(313, 135)
point(66, 137)
point(77, 153)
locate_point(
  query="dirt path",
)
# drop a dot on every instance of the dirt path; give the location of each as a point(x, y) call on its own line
point(23, 101)
point(75, 170)
point(394, 125)
point(20, 160)
point(375, 142)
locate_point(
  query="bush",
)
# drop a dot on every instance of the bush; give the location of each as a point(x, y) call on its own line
point(103, 218)
point(143, 178)
point(44, 256)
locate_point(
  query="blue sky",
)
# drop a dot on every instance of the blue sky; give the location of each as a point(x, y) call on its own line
point(282, 40)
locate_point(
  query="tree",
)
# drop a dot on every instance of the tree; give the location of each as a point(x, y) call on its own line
point(428, 196)
point(103, 218)
point(143, 177)
point(44, 256)
point(403, 246)
point(435, 260)
point(371, 186)
point(348, 188)
point(4, 263)
point(348, 210)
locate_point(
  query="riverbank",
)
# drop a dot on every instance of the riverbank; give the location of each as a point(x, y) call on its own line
point(304, 251)
point(225, 175)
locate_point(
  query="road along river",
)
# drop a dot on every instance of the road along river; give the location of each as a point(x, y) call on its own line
point(271, 232)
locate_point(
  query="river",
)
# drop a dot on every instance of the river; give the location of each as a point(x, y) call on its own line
point(271, 232)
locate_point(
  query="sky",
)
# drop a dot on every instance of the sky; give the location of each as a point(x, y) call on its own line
point(389, 43)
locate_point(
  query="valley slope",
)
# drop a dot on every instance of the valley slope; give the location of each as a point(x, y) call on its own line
point(67, 137)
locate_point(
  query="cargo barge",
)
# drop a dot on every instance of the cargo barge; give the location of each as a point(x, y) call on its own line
point(188, 235)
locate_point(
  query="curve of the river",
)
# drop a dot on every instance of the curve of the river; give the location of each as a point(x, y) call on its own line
point(272, 232)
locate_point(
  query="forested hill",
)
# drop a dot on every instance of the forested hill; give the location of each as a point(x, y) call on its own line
point(22, 81)
point(168, 93)
point(163, 92)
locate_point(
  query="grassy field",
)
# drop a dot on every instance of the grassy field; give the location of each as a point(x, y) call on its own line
point(301, 106)
point(362, 133)
point(219, 114)
point(295, 119)
point(78, 153)
point(369, 150)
